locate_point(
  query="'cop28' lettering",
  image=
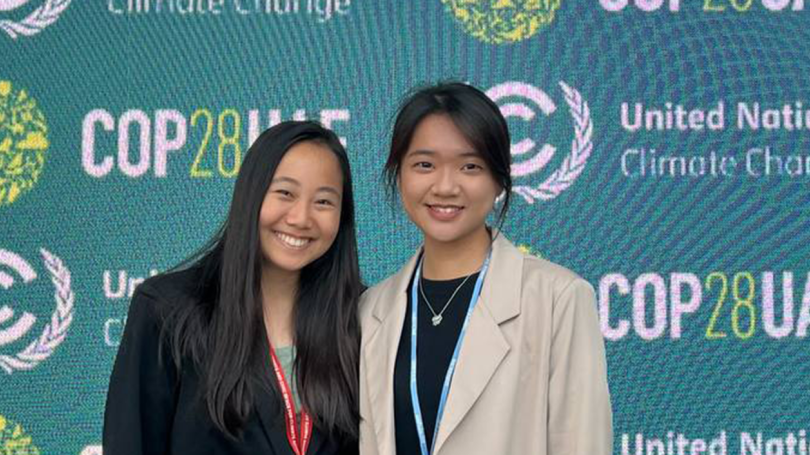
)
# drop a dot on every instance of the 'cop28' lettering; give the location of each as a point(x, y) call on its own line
point(137, 142)
point(741, 305)
point(708, 5)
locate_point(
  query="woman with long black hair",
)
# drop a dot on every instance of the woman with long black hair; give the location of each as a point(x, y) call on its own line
point(474, 347)
point(252, 347)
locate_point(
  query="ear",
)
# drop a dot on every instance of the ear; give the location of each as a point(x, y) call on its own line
point(500, 197)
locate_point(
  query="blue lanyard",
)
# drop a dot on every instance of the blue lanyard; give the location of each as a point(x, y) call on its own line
point(417, 408)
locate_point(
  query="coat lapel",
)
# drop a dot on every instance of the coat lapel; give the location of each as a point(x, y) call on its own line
point(484, 345)
point(380, 351)
point(482, 351)
point(317, 442)
point(275, 429)
point(272, 422)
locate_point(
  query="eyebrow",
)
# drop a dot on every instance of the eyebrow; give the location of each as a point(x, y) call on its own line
point(285, 179)
point(468, 154)
point(329, 189)
point(291, 180)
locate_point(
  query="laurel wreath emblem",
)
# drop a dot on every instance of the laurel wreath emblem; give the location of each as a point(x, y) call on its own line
point(573, 164)
point(23, 142)
point(54, 332)
point(35, 22)
point(502, 21)
point(14, 440)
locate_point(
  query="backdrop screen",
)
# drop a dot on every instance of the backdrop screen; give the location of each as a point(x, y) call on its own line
point(661, 150)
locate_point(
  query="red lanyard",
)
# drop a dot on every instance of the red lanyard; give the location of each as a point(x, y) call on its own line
point(298, 443)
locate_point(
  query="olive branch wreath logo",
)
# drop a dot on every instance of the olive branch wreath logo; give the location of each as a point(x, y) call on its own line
point(573, 164)
point(35, 22)
point(502, 21)
point(14, 440)
point(54, 332)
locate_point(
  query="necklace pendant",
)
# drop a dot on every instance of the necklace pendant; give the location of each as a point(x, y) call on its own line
point(436, 320)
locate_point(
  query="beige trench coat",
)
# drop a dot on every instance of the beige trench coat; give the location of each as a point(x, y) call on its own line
point(531, 376)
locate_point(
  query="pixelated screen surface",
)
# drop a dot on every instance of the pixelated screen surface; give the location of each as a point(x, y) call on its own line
point(660, 147)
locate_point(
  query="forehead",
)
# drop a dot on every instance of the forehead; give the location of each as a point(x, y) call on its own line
point(311, 162)
point(438, 134)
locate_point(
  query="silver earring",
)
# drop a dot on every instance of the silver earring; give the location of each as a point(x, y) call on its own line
point(499, 198)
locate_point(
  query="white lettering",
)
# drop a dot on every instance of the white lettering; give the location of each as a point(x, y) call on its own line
point(605, 284)
point(89, 142)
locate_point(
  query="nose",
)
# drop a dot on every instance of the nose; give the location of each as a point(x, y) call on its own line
point(446, 184)
point(299, 216)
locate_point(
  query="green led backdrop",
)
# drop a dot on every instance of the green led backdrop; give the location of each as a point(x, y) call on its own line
point(661, 150)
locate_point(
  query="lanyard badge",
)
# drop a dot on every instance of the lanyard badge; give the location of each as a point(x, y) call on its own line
point(299, 442)
point(417, 408)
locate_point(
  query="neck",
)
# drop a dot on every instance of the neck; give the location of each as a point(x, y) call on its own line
point(464, 256)
point(279, 289)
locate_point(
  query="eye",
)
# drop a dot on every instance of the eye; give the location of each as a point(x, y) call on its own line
point(419, 165)
point(325, 202)
point(472, 167)
point(284, 193)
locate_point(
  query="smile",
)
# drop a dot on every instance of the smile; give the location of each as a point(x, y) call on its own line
point(292, 241)
point(445, 208)
point(444, 212)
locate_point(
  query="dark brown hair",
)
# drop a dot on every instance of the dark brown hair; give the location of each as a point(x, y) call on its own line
point(221, 329)
point(476, 116)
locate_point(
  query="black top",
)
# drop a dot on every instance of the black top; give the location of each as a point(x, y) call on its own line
point(154, 409)
point(434, 350)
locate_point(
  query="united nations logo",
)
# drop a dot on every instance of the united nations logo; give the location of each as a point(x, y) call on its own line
point(14, 440)
point(511, 98)
point(35, 21)
point(502, 21)
point(23, 142)
point(58, 324)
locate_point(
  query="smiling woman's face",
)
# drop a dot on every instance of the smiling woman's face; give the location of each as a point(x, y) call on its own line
point(300, 214)
point(446, 187)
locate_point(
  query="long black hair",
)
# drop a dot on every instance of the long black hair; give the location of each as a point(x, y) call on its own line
point(474, 114)
point(221, 329)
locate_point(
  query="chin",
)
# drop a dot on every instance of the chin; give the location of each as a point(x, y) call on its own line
point(445, 234)
point(282, 260)
point(293, 266)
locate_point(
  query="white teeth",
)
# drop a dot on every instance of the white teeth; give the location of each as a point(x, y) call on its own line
point(446, 210)
point(294, 242)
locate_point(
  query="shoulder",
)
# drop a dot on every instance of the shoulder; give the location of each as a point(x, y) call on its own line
point(370, 298)
point(554, 280)
point(154, 299)
point(532, 277)
point(171, 285)
point(552, 274)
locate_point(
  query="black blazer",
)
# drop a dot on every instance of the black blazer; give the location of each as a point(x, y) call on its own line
point(153, 409)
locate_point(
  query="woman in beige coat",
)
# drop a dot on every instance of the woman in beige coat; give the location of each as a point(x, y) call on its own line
point(474, 347)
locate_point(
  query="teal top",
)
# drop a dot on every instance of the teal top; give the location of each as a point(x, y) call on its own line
point(286, 356)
